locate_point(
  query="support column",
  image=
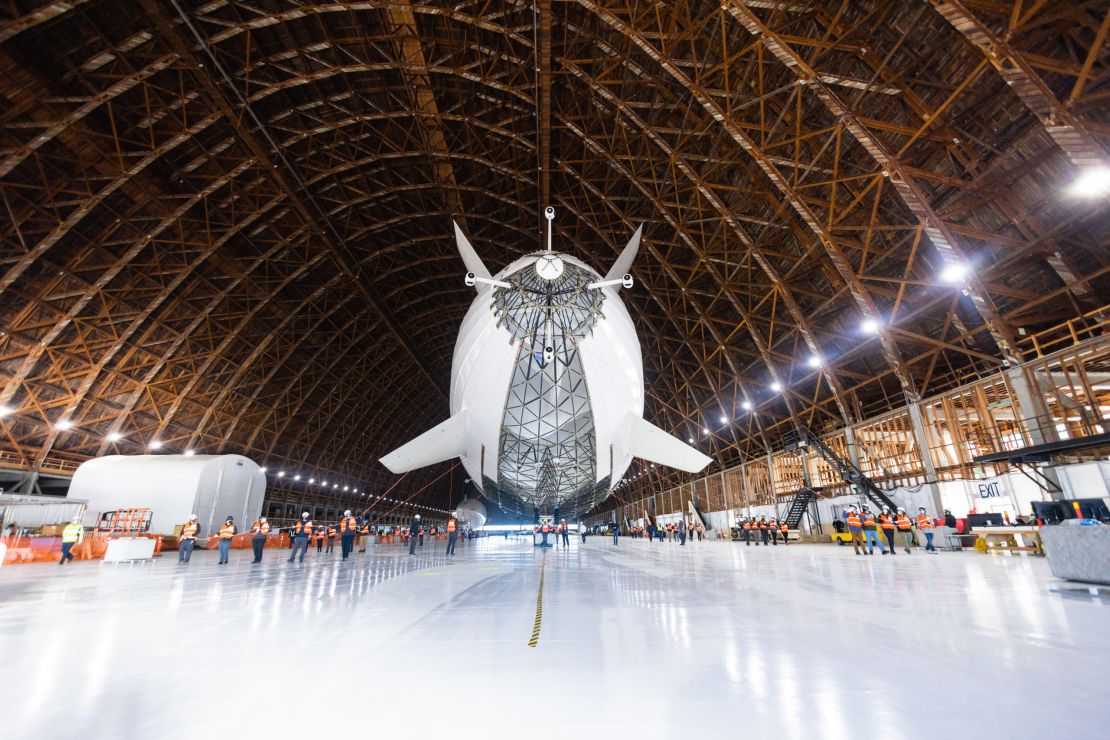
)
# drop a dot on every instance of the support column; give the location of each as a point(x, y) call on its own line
point(1036, 420)
point(926, 455)
point(771, 477)
point(744, 487)
point(853, 451)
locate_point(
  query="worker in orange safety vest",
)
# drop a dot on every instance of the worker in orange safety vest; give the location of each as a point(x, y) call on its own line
point(886, 523)
point(333, 532)
point(452, 534)
point(563, 532)
point(188, 539)
point(348, 528)
point(545, 529)
point(905, 529)
point(855, 528)
point(259, 531)
point(925, 524)
point(227, 531)
point(302, 530)
point(783, 530)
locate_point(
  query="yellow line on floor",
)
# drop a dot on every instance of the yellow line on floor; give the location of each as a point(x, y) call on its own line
point(539, 606)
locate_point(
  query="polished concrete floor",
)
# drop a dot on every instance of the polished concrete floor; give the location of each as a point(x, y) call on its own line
point(644, 640)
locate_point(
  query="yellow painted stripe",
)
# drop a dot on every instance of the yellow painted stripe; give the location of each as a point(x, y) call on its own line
point(539, 606)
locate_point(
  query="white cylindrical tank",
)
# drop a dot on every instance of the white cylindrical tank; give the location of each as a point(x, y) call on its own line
point(173, 487)
point(471, 512)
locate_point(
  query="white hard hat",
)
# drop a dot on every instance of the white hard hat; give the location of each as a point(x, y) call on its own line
point(417, 516)
point(347, 512)
point(304, 514)
point(192, 516)
point(901, 510)
point(886, 508)
point(262, 519)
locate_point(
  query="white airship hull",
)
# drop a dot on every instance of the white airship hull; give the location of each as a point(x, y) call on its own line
point(592, 384)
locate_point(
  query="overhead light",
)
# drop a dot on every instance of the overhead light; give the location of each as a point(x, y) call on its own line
point(323, 483)
point(954, 273)
point(776, 386)
point(63, 425)
point(690, 441)
point(1092, 183)
point(869, 326)
point(814, 361)
point(724, 419)
point(190, 453)
point(114, 437)
point(157, 445)
point(296, 477)
point(311, 480)
point(747, 405)
point(356, 491)
point(335, 485)
point(346, 488)
point(4, 411)
point(705, 431)
point(262, 470)
point(281, 474)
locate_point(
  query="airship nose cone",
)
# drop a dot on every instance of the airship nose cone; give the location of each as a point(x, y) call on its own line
point(549, 267)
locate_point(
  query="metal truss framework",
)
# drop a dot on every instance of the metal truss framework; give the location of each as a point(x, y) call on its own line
point(226, 224)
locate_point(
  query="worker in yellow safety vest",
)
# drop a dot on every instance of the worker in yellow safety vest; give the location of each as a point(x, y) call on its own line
point(73, 533)
point(452, 534)
point(259, 532)
point(227, 531)
point(188, 539)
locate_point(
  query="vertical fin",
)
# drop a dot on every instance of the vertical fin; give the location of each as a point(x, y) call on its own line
point(623, 264)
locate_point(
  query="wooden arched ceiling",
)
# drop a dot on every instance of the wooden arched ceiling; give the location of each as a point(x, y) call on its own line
point(226, 225)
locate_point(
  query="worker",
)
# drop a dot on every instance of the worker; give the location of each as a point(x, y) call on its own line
point(905, 529)
point(348, 528)
point(302, 530)
point(855, 528)
point(73, 533)
point(616, 533)
point(414, 530)
point(421, 533)
point(871, 533)
point(784, 531)
point(332, 532)
point(582, 531)
point(227, 531)
point(682, 531)
point(773, 530)
point(763, 530)
point(188, 539)
point(319, 535)
point(259, 530)
point(564, 532)
point(746, 531)
point(886, 523)
point(925, 524)
point(452, 534)
point(545, 528)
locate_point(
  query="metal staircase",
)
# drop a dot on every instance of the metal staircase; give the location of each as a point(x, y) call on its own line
point(798, 507)
point(848, 472)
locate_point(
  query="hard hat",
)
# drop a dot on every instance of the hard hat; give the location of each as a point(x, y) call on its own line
point(304, 515)
point(417, 516)
point(901, 510)
point(347, 512)
point(921, 508)
point(262, 519)
point(886, 508)
point(192, 516)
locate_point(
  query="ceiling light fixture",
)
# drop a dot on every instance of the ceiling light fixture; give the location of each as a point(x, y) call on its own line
point(4, 411)
point(63, 425)
point(954, 273)
point(114, 437)
point(814, 361)
point(157, 445)
point(190, 453)
point(747, 405)
point(776, 386)
point(1092, 183)
point(869, 326)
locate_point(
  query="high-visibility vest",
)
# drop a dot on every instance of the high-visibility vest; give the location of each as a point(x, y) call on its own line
point(886, 521)
point(348, 524)
point(303, 528)
point(261, 528)
point(747, 525)
point(783, 528)
point(319, 535)
point(227, 531)
point(762, 524)
point(546, 529)
point(563, 527)
point(451, 526)
point(924, 522)
point(189, 530)
point(903, 522)
point(853, 520)
point(331, 531)
point(868, 522)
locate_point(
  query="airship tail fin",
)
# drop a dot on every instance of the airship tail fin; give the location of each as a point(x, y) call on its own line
point(623, 264)
point(649, 442)
point(443, 442)
point(470, 258)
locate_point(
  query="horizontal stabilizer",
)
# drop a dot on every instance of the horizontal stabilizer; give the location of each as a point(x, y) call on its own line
point(470, 258)
point(446, 441)
point(649, 442)
point(623, 265)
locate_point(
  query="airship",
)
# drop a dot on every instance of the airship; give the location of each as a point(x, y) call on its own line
point(547, 386)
